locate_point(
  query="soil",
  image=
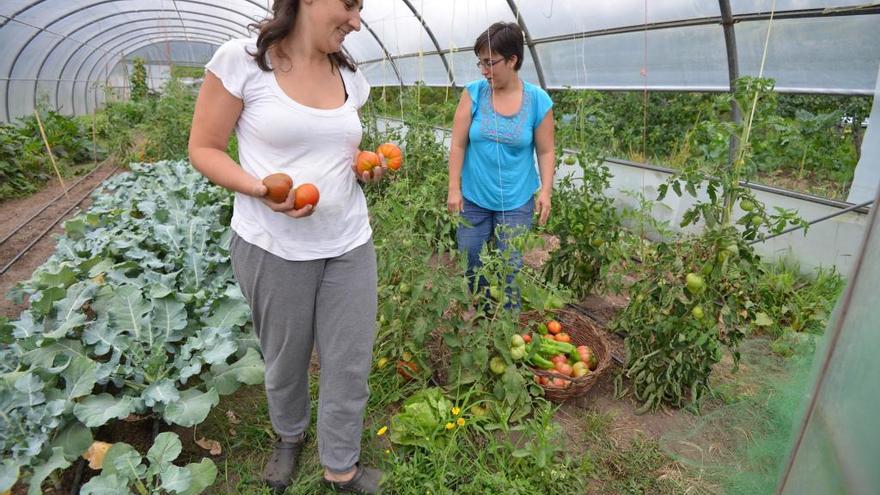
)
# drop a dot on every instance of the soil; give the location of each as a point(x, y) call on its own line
point(16, 211)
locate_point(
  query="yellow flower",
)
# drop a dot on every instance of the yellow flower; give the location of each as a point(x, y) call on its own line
point(382, 431)
point(450, 425)
point(387, 451)
point(456, 411)
point(460, 421)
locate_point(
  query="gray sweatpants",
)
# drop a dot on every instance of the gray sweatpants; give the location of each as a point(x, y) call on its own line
point(330, 303)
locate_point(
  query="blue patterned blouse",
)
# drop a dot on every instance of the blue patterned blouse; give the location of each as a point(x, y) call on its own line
point(499, 171)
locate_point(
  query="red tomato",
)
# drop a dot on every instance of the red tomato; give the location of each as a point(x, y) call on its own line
point(563, 368)
point(407, 369)
point(550, 336)
point(391, 153)
point(278, 187)
point(527, 337)
point(554, 327)
point(366, 161)
point(306, 194)
point(563, 337)
point(559, 358)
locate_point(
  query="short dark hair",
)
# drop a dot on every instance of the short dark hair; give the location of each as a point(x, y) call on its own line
point(504, 38)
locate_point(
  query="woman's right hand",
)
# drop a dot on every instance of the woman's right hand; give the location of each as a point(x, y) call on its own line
point(454, 201)
point(260, 190)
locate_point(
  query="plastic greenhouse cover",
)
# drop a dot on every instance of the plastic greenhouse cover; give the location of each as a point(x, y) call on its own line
point(70, 45)
point(841, 442)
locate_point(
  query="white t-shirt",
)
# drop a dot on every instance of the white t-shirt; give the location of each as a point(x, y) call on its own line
point(277, 134)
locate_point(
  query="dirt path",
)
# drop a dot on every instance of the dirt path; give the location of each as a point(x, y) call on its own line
point(16, 211)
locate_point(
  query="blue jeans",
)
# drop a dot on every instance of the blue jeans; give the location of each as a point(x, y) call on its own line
point(498, 226)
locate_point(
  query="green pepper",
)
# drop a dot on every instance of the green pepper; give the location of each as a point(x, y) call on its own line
point(540, 362)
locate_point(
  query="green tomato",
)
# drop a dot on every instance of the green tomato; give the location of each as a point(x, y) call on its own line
point(756, 220)
point(597, 243)
point(731, 249)
point(517, 341)
point(497, 365)
point(747, 205)
point(404, 289)
point(518, 353)
point(495, 292)
point(569, 160)
point(479, 411)
point(580, 369)
point(697, 312)
point(694, 283)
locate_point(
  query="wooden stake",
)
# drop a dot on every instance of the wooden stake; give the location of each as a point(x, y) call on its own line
point(95, 137)
point(51, 156)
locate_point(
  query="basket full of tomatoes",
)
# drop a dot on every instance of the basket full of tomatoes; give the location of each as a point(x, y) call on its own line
point(566, 354)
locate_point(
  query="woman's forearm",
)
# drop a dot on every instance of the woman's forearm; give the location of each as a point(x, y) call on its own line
point(456, 160)
point(547, 169)
point(222, 170)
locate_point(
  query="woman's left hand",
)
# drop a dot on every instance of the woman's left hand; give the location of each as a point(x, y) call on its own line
point(542, 207)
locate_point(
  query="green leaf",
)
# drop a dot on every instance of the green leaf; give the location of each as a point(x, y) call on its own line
point(227, 378)
point(8, 474)
point(228, 312)
point(44, 357)
point(128, 310)
point(192, 408)
point(43, 301)
point(105, 484)
point(124, 461)
point(203, 475)
point(169, 318)
point(41, 472)
point(165, 448)
point(763, 320)
point(175, 479)
point(75, 439)
point(162, 392)
point(96, 410)
point(62, 277)
point(79, 378)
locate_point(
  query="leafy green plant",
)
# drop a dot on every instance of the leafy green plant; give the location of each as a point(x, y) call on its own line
point(138, 80)
point(695, 295)
point(422, 418)
point(588, 227)
point(124, 471)
point(688, 303)
point(167, 131)
point(139, 301)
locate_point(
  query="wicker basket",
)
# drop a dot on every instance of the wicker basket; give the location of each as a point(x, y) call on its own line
point(582, 332)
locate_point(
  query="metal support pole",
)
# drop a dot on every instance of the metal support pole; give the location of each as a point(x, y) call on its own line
point(434, 40)
point(732, 72)
point(531, 44)
point(387, 53)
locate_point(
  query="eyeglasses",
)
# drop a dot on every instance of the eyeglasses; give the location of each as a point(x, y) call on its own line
point(481, 64)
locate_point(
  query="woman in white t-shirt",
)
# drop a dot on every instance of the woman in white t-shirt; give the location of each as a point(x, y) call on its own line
point(309, 274)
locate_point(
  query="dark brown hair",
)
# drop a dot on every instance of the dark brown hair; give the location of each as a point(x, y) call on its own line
point(273, 29)
point(503, 38)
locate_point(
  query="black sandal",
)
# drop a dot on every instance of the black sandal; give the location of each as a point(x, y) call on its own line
point(281, 464)
point(365, 481)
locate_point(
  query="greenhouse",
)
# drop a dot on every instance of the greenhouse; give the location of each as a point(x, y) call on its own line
point(599, 247)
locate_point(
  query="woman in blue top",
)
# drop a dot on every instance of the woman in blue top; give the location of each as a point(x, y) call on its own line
point(500, 124)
